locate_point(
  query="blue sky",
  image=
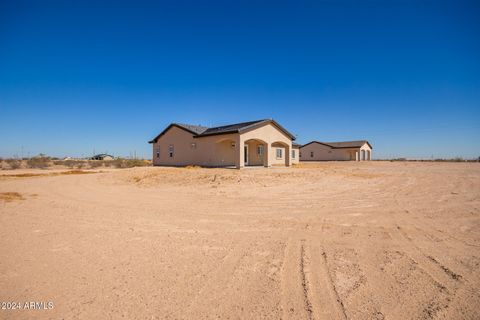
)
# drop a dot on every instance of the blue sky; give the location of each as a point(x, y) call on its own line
point(79, 76)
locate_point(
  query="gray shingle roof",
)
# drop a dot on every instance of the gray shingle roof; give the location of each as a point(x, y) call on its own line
point(231, 128)
point(201, 131)
point(347, 144)
point(192, 128)
point(342, 144)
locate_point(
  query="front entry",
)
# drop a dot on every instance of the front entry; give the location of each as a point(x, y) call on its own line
point(245, 154)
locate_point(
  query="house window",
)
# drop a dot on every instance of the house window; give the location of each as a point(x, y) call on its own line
point(311, 154)
point(170, 151)
point(260, 150)
point(158, 153)
point(279, 153)
point(293, 154)
point(193, 145)
point(300, 154)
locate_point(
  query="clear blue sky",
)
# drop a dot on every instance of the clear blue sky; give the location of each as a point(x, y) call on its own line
point(82, 75)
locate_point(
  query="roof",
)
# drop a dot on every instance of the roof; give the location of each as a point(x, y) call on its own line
point(101, 156)
point(231, 128)
point(195, 130)
point(296, 145)
point(200, 131)
point(342, 144)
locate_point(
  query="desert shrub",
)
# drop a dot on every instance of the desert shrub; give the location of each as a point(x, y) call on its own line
point(95, 163)
point(13, 163)
point(39, 162)
point(108, 163)
point(129, 163)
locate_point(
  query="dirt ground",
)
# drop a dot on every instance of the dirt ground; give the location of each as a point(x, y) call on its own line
point(371, 240)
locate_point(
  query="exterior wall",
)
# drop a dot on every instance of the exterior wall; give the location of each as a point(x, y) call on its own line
point(255, 159)
point(325, 153)
point(368, 152)
point(278, 161)
point(320, 152)
point(181, 141)
point(296, 159)
point(217, 150)
point(208, 151)
point(270, 135)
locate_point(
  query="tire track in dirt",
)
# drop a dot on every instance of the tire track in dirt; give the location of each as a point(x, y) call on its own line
point(441, 274)
point(308, 291)
point(329, 290)
point(293, 293)
point(304, 272)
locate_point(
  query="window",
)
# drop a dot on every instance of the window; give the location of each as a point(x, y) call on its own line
point(260, 150)
point(158, 153)
point(300, 154)
point(193, 145)
point(293, 154)
point(170, 151)
point(311, 154)
point(279, 153)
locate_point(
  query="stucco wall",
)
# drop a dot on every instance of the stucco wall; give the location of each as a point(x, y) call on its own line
point(297, 155)
point(325, 153)
point(217, 150)
point(270, 134)
point(181, 140)
point(208, 151)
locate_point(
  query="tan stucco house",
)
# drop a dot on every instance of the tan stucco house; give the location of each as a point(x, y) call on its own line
point(336, 151)
point(255, 143)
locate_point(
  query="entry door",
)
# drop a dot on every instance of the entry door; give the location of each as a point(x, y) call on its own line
point(245, 154)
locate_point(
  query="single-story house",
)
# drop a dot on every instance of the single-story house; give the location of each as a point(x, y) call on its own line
point(102, 156)
point(346, 150)
point(254, 143)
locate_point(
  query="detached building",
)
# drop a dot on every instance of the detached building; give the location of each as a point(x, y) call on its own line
point(347, 150)
point(255, 143)
point(102, 156)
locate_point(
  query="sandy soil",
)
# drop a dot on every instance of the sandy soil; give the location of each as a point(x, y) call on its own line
point(376, 240)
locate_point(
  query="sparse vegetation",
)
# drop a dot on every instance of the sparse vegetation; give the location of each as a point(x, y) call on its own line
point(13, 163)
point(129, 163)
point(28, 175)
point(39, 162)
point(11, 196)
point(95, 163)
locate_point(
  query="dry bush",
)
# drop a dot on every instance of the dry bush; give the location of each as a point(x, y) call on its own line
point(108, 163)
point(13, 163)
point(39, 162)
point(11, 196)
point(95, 163)
point(129, 163)
point(73, 163)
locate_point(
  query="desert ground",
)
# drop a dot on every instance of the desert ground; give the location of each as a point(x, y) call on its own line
point(336, 240)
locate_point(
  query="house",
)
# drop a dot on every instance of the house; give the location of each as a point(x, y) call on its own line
point(102, 156)
point(346, 150)
point(254, 143)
